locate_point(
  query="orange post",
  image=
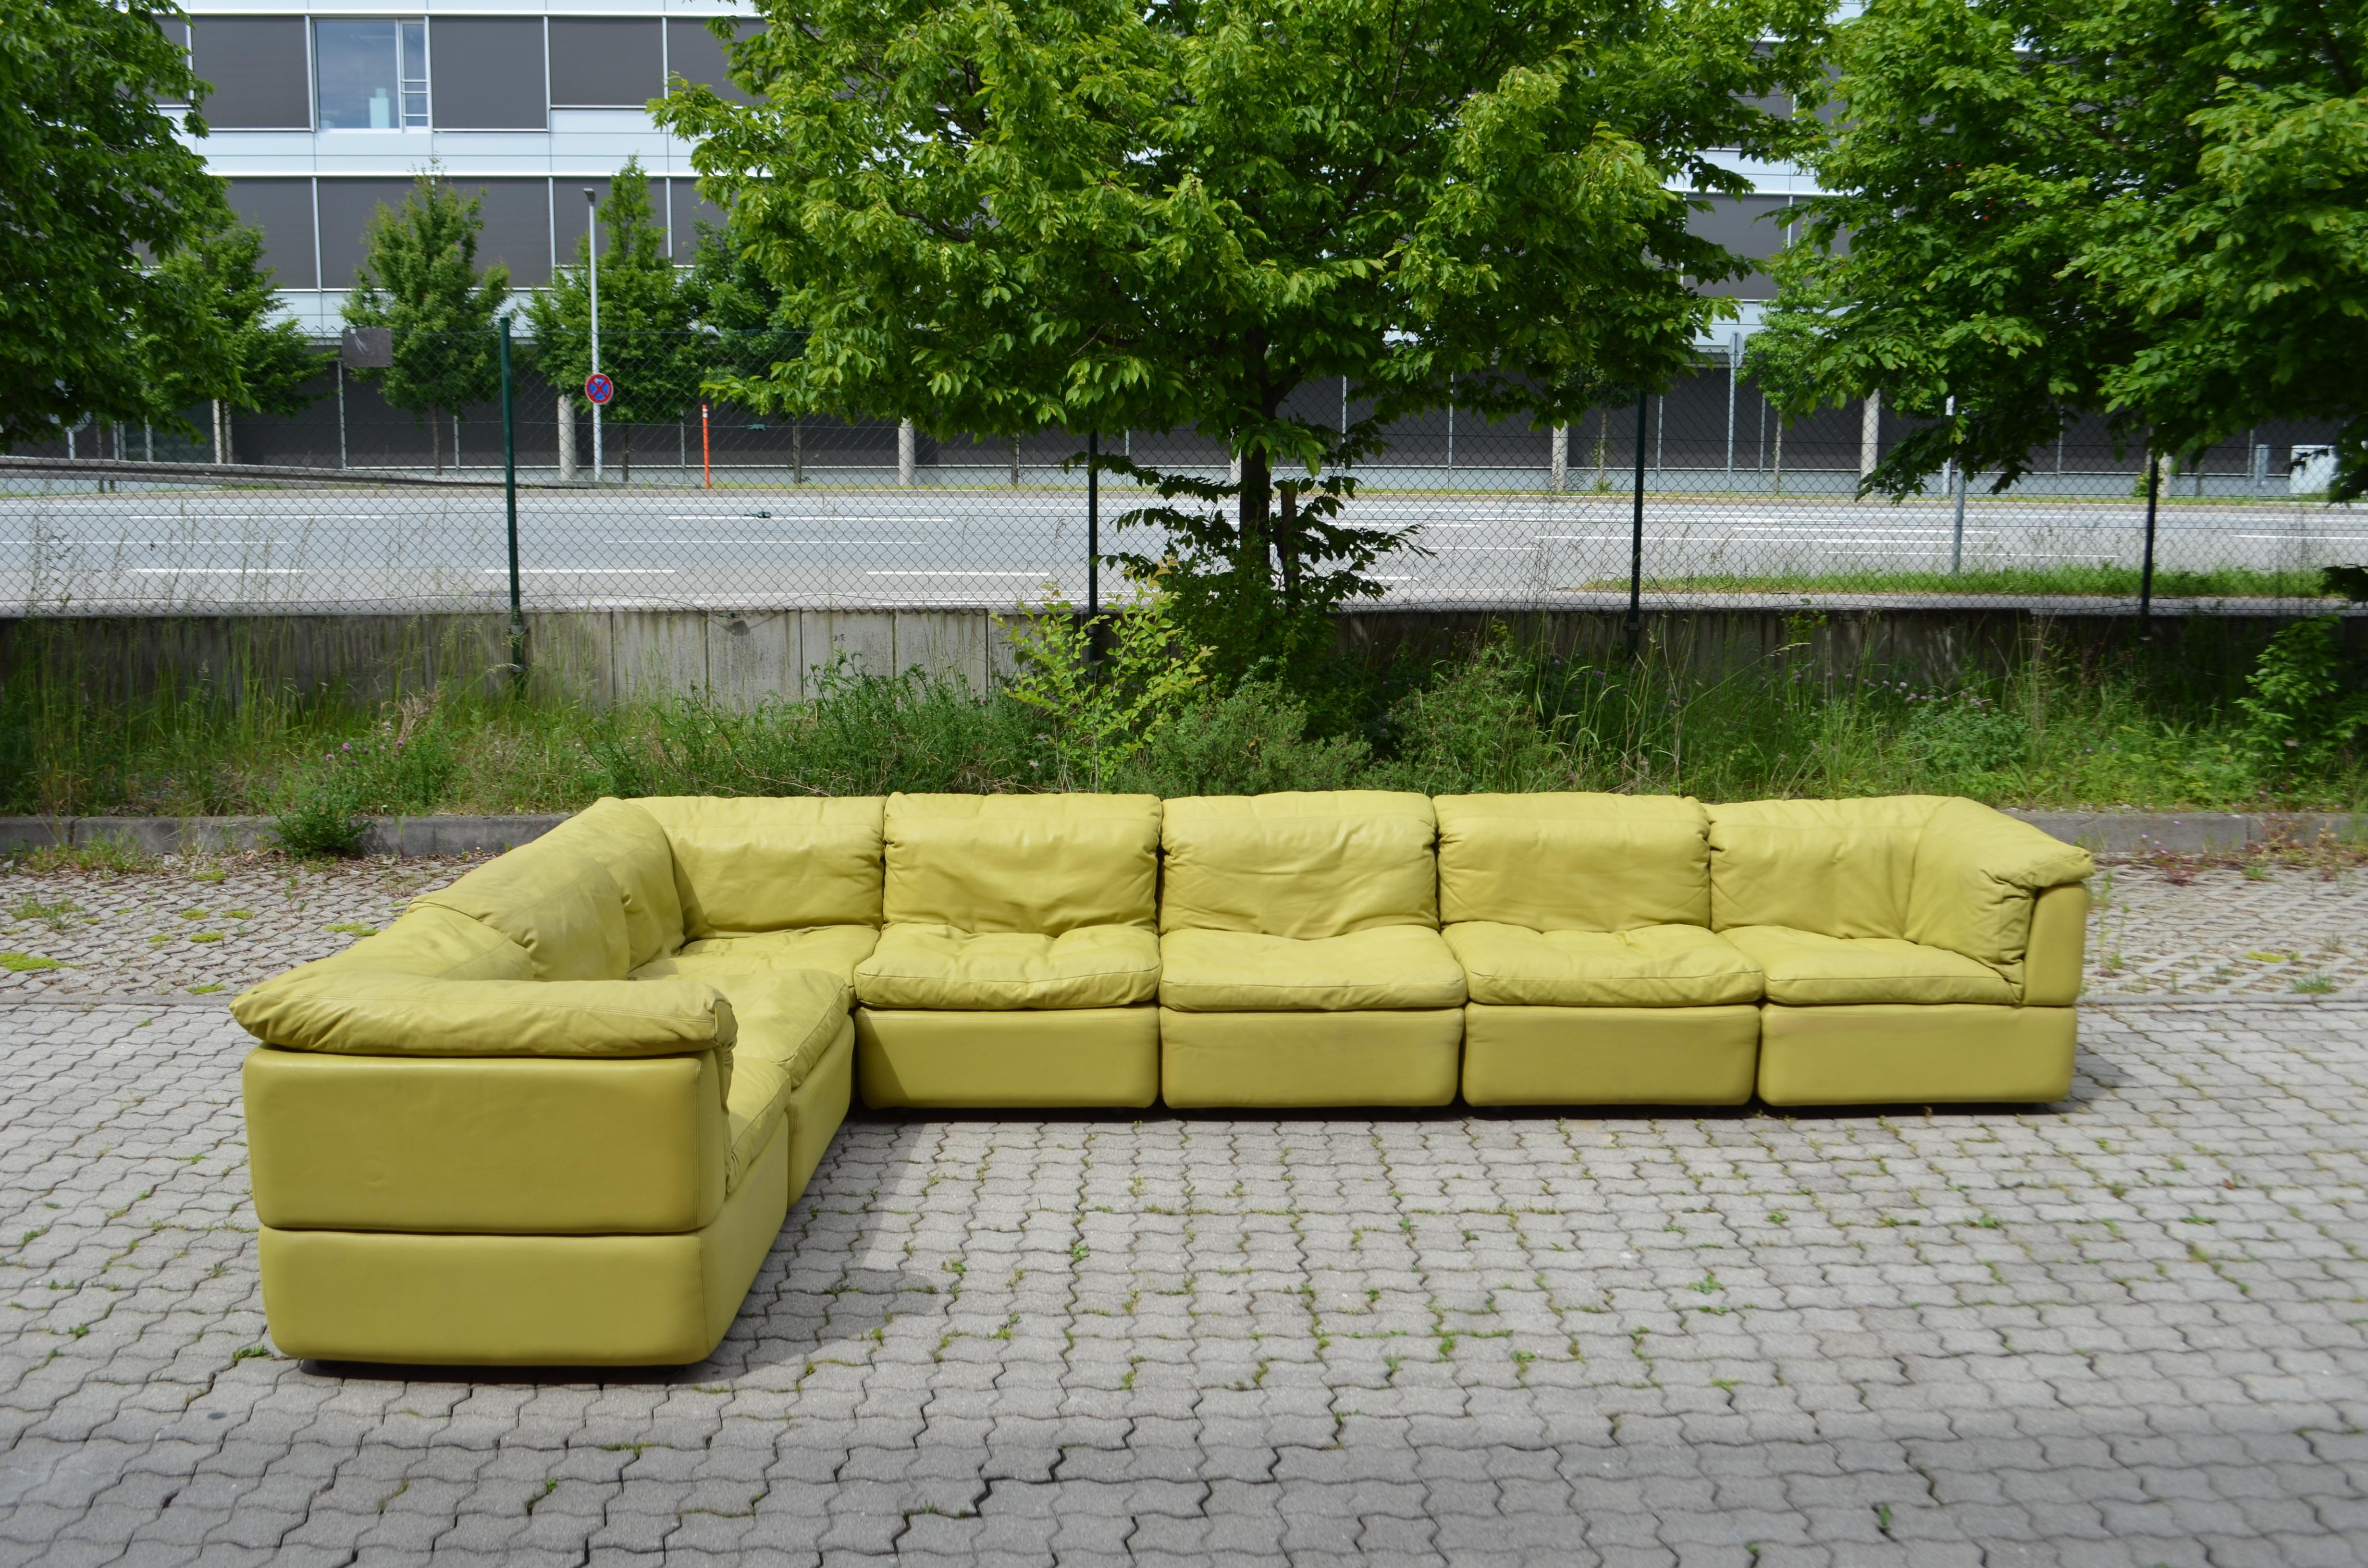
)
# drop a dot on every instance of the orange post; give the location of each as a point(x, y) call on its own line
point(706, 467)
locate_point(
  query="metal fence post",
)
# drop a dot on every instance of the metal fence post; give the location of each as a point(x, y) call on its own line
point(1957, 535)
point(510, 507)
point(1093, 525)
point(1637, 541)
point(2146, 566)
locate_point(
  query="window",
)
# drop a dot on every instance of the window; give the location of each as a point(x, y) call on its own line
point(372, 75)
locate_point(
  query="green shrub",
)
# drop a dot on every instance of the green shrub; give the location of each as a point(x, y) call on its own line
point(1967, 739)
point(864, 734)
point(1250, 741)
point(407, 764)
point(1479, 727)
point(1103, 705)
point(2299, 716)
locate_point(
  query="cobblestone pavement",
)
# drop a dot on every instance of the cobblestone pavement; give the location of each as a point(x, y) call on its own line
point(194, 924)
point(2224, 931)
point(2128, 1330)
point(203, 925)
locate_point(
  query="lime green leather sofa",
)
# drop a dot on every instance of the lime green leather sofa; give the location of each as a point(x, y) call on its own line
point(558, 1111)
point(1018, 965)
point(1301, 962)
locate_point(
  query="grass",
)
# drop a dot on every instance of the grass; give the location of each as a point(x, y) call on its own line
point(2052, 723)
point(2067, 582)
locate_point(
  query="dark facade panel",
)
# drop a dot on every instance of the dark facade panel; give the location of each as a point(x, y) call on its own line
point(571, 214)
point(517, 226)
point(282, 209)
point(605, 61)
point(690, 209)
point(486, 74)
point(346, 206)
point(178, 30)
point(259, 69)
point(697, 55)
point(1743, 225)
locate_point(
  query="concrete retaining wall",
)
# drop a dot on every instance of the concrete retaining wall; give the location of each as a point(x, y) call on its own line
point(605, 657)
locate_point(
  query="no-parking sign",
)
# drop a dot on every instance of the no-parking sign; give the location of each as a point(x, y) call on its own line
point(599, 389)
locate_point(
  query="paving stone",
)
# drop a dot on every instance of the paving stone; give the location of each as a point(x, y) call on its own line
point(2125, 1328)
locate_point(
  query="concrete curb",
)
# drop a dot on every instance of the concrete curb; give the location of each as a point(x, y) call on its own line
point(2189, 833)
point(2107, 833)
point(402, 836)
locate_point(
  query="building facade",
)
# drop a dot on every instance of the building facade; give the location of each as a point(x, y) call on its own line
point(320, 113)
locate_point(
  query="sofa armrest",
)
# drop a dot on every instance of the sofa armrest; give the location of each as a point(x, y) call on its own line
point(1977, 873)
point(332, 1007)
point(2059, 933)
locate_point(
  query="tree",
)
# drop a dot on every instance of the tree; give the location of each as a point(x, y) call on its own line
point(646, 345)
point(2153, 209)
point(92, 174)
point(208, 331)
point(419, 278)
point(1087, 214)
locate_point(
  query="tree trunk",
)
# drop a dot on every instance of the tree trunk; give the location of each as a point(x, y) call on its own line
point(625, 453)
point(436, 436)
point(1286, 537)
point(1257, 483)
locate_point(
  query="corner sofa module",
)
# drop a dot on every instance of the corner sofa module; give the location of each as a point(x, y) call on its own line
point(1582, 923)
point(474, 1139)
point(1916, 949)
point(1301, 962)
point(1018, 965)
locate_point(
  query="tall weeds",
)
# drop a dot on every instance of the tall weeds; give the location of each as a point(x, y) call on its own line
point(2048, 728)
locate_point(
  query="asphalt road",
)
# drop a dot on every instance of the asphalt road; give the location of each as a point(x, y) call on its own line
point(417, 547)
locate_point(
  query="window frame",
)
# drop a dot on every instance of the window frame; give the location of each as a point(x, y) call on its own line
point(402, 22)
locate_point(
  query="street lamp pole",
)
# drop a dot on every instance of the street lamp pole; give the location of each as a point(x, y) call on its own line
point(592, 249)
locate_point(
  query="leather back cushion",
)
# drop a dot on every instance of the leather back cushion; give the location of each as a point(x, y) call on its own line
point(768, 865)
point(1300, 864)
point(1574, 862)
point(1035, 863)
point(1838, 867)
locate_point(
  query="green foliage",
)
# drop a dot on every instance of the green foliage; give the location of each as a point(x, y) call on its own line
point(2143, 726)
point(1087, 216)
point(2301, 713)
point(405, 765)
point(216, 330)
point(1108, 689)
point(92, 172)
point(1479, 727)
point(1250, 740)
point(419, 278)
point(646, 312)
point(868, 735)
point(2157, 212)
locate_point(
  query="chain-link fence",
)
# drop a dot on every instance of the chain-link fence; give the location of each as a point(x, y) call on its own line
point(375, 498)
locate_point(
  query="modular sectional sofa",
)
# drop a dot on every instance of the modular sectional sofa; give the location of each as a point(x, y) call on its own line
point(557, 1112)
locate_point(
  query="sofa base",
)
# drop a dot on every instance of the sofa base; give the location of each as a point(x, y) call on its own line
point(1285, 1060)
point(1084, 1057)
point(535, 1146)
point(523, 1301)
point(1904, 1054)
point(1609, 1055)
